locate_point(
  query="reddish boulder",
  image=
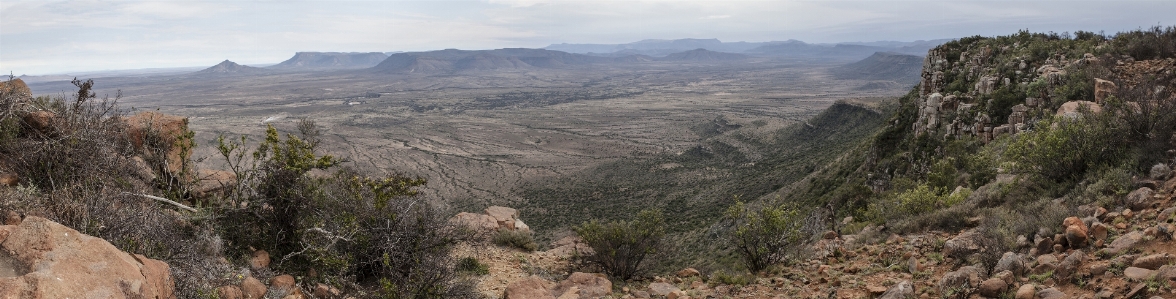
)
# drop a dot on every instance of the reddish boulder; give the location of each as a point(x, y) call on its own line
point(73, 265)
point(171, 130)
point(529, 288)
point(253, 288)
point(504, 216)
point(260, 259)
point(1103, 89)
point(590, 285)
point(478, 222)
point(229, 292)
point(8, 179)
point(1076, 232)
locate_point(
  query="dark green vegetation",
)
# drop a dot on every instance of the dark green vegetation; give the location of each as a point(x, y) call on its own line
point(621, 247)
point(695, 188)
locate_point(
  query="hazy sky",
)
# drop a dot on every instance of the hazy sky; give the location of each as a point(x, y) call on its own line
point(46, 37)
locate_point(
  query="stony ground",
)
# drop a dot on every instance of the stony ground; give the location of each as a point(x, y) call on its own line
point(1104, 253)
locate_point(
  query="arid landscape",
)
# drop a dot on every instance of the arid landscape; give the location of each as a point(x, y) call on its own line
point(477, 135)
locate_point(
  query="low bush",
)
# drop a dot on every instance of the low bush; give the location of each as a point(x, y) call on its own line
point(622, 247)
point(517, 239)
point(764, 236)
point(471, 265)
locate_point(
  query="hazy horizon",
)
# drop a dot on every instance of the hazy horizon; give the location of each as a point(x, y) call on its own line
point(55, 37)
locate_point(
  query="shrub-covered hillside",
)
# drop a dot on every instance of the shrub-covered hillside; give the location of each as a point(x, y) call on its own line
point(1014, 132)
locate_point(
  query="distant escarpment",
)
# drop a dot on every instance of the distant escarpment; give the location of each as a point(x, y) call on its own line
point(453, 60)
point(704, 55)
point(228, 68)
point(331, 60)
point(889, 66)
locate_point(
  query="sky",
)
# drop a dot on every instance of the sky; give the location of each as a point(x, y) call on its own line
point(55, 37)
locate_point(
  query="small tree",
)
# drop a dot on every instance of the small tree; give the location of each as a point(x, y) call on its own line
point(763, 236)
point(622, 246)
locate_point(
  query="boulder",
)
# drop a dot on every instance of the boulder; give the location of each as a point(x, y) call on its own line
point(1072, 109)
point(1076, 232)
point(1153, 262)
point(478, 222)
point(1051, 293)
point(902, 290)
point(1010, 262)
point(963, 244)
point(40, 121)
point(325, 291)
point(1070, 264)
point(1103, 89)
point(9, 180)
point(229, 292)
point(1026, 291)
point(520, 226)
point(532, 287)
point(662, 289)
point(1124, 243)
point(1139, 199)
point(16, 88)
point(253, 288)
point(967, 277)
point(68, 264)
point(259, 259)
point(283, 285)
point(688, 272)
point(172, 133)
point(1098, 232)
point(1138, 274)
point(213, 182)
point(1167, 272)
point(993, 288)
point(504, 216)
point(569, 246)
point(590, 285)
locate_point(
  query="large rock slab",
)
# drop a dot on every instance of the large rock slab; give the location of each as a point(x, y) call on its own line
point(532, 287)
point(590, 285)
point(43, 259)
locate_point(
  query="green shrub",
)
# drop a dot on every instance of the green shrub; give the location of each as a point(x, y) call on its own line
point(621, 247)
point(763, 236)
point(471, 265)
point(517, 239)
point(1063, 150)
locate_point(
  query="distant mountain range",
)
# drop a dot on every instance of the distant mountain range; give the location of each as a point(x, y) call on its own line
point(452, 60)
point(659, 48)
point(331, 60)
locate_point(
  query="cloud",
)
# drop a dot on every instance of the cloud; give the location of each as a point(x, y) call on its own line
point(55, 36)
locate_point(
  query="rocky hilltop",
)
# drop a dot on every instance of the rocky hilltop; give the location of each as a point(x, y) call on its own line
point(228, 68)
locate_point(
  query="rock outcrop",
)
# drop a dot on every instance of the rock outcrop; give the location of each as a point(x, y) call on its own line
point(43, 259)
point(495, 219)
point(161, 137)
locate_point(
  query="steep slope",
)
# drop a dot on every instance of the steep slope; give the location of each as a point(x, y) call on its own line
point(331, 60)
point(883, 66)
point(229, 68)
